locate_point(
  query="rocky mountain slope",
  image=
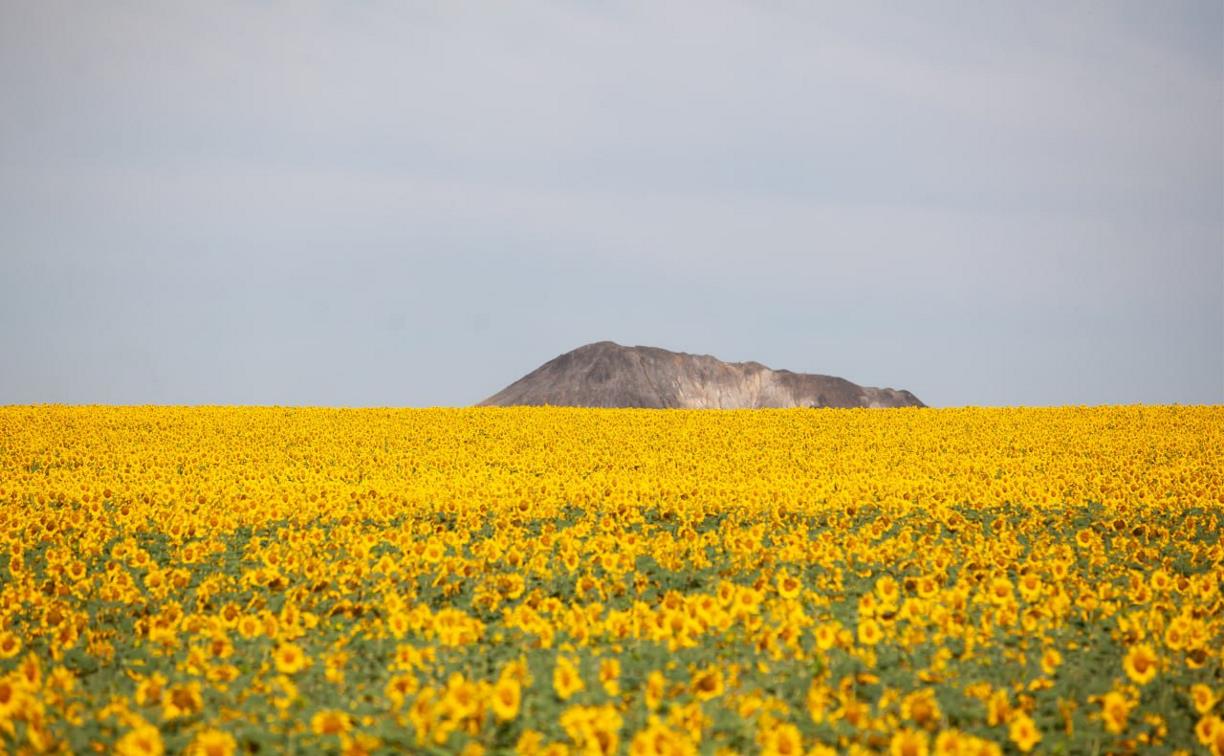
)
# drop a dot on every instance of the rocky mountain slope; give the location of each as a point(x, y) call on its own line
point(605, 374)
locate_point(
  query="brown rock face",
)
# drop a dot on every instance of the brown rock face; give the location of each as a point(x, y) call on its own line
point(605, 374)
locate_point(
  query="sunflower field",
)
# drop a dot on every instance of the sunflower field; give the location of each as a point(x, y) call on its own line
point(218, 580)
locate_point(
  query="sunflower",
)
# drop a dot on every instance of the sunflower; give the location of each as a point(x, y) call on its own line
point(655, 684)
point(922, 708)
point(250, 626)
point(826, 636)
point(869, 632)
point(566, 680)
point(1114, 711)
point(331, 722)
point(145, 740)
point(507, 696)
point(788, 585)
point(400, 687)
point(1050, 661)
point(461, 699)
point(1140, 663)
point(149, 690)
point(909, 742)
point(783, 740)
point(660, 740)
point(1024, 733)
point(290, 659)
point(10, 697)
point(213, 742)
point(609, 676)
point(182, 701)
point(10, 645)
point(1202, 697)
point(708, 684)
point(1207, 727)
point(1001, 591)
point(1176, 633)
point(888, 590)
point(819, 697)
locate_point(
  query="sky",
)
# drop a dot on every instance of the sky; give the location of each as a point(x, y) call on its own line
point(415, 204)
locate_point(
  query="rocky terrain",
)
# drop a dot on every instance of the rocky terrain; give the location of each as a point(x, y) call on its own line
point(605, 374)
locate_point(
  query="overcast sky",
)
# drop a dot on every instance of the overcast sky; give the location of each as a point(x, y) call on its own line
point(416, 204)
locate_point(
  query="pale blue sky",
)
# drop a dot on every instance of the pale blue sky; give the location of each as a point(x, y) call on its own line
point(415, 204)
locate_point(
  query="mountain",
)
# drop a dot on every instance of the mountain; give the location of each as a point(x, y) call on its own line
point(605, 374)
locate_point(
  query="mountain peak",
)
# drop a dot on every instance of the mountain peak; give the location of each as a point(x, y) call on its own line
point(607, 374)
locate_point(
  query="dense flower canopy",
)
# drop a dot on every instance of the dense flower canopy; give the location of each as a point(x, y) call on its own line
point(611, 581)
